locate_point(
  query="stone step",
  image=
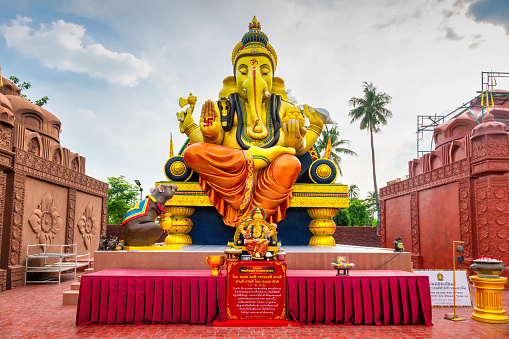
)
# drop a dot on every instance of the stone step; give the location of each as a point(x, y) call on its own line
point(89, 270)
point(79, 279)
point(71, 297)
point(75, 286)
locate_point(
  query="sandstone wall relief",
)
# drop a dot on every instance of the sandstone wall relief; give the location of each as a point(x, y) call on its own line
point(45, 220)
point(88, 224)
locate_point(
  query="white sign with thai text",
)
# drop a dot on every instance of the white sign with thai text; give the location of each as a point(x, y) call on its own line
point(441, 287)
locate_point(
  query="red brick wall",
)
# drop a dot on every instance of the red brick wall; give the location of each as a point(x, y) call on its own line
point(356, 235)
point(438, 225)
point(397, 211)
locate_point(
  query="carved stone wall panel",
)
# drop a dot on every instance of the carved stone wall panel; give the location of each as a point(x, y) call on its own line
point(44, 216)
point(104, 217)
point(441, 176)
point(466, 222)
point(6, 133)
point(383, 241)
point(414, 220)
point(5, 160)
point(479, 148)
point(497, 145)
point(88, 222)
point(499, 230)
point(3, 179)
point(71, 212)
point(17, 208)
point(482, 197)
point(47, 170)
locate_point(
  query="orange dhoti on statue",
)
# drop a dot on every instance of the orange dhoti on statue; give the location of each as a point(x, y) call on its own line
point(229, 178)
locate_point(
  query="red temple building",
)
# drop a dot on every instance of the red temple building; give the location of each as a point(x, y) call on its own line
point(458, 191)
point(45, 196)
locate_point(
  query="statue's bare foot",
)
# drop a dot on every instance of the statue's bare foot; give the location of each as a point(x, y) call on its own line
point(264, 156)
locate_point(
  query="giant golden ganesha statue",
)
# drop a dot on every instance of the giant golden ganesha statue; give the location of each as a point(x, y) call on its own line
point(244, 148)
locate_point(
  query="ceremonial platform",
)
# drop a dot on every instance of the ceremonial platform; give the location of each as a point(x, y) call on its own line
point(196, 297)
point(192, 257)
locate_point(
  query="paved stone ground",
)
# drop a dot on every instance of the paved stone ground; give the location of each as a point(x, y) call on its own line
point(36, 311)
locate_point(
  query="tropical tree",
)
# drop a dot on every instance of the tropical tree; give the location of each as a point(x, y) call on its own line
point(370, 203)
point(26, 85)
point(353, 192)
point(337, 145)
point(121, 197)
point(371, 112)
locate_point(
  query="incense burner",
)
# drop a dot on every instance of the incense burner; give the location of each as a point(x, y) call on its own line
point(487, 268)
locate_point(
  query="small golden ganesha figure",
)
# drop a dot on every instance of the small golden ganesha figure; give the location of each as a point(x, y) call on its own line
point(258, 235)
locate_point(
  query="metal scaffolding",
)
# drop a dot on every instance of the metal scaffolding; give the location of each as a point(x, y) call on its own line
point(486, 98)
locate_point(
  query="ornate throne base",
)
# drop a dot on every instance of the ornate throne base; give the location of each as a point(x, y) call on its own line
point(322, 202)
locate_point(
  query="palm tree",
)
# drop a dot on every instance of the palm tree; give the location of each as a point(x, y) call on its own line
point(353, 192)
point(371, 112)
point(337, 145)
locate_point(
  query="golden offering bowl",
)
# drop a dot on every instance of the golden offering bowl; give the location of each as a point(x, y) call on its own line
point(215, 261)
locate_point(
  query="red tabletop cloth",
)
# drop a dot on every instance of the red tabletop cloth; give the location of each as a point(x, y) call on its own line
point(363, 297)
point(151, 296)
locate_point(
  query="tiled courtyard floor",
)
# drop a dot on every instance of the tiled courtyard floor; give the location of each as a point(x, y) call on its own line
point(36, 311)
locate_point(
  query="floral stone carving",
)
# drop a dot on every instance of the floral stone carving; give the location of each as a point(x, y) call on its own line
point(45, 220)
point(88, 225)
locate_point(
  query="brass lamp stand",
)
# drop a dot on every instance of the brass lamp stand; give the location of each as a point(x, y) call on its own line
point(455, 249)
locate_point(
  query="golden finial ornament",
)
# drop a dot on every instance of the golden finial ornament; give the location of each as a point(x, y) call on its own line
point(171, 145)
point(328, 150)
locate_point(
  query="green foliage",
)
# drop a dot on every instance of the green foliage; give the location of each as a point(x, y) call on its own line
point(121, 197)
point(26, 85)
point(343, 218)
point(337, 145)
point(42, 101)
point(358, 212)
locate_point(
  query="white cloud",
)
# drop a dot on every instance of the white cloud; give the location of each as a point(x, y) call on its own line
point(60, 45)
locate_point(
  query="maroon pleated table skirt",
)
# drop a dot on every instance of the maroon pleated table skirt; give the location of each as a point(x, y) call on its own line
point(196, 297)
point(151, 297)
point(362, 298)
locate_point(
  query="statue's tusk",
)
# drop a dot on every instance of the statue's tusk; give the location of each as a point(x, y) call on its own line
point(267, 94)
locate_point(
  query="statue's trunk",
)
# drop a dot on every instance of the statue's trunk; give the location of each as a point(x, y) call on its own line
point(255, 88)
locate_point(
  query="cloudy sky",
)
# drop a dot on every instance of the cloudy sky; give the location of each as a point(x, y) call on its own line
point(114, 70)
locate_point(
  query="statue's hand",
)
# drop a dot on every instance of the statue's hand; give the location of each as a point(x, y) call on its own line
point(313, 117)
point(185, 118)
point(293, 134)
point(210, 123)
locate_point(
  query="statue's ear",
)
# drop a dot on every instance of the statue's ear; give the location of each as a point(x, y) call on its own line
point(152, 189)
point(160, 188)
point(278, 87)
point(229, 87)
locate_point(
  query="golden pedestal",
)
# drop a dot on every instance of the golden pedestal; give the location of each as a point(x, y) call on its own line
point(322, 226)
point(488, 300)
point(177, 224)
